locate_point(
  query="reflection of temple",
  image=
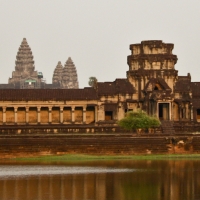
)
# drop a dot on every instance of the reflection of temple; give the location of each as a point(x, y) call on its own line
point(164, 180)
point(152, 84)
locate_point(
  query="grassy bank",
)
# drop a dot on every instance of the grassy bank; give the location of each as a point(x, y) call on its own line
point(82, 157)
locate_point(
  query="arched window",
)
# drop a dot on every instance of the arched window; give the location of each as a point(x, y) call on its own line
point(157, 87)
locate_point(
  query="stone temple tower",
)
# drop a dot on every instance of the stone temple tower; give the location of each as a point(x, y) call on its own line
point(152, 72)
point(24, 75)
point(57, 75)
point(69, 77)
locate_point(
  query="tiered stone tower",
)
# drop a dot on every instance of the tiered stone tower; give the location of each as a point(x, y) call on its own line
point(57, 75)
point(65, 77)
point(69, 78)
point(151, 60)
point(24, 75)
point(152, 73)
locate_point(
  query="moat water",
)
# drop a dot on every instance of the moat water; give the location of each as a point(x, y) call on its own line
point(104, 180)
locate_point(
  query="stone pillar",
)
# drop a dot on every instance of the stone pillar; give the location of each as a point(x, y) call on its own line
point(120, 112)
point(38, 117)
point(171, 112)
point(27, 115)
point(180, 110)
point(84, 114)
point(96, 114)
point(156, 109)
point(50, 114)
point(15, 110)
point(61, 115)
point(187, 111)
point(191, 113)
point(73, 117)
point(139, 87)
point(101, 115)
point(4, 115)
point(184, 111)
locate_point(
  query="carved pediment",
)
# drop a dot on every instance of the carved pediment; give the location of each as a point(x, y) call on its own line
point(157, 84)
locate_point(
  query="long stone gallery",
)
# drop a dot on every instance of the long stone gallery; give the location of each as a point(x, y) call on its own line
point(152, 84)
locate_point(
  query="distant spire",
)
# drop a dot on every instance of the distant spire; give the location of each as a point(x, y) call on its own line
point(24, 64)
point(57, 75)
point(69, 78)
point(24, 59)
point(69, 61)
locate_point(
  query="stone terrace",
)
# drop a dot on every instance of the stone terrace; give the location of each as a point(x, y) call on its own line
point(105, 144)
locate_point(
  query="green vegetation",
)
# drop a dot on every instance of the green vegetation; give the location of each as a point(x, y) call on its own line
point(82, 157)
point(92, 81)
point(138, 120)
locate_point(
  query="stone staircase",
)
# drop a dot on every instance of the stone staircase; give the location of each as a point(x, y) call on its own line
point(167, 127)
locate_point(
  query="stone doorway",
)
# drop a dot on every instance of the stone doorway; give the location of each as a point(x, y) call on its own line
point(108, 115)
point(163, 111)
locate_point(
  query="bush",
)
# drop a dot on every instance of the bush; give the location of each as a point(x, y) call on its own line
point(138, 120)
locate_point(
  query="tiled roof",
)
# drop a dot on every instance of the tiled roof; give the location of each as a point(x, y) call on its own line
point(47, 94)
point(121, 86)
point(196, 102)
point(183, 84)
point(195, 87)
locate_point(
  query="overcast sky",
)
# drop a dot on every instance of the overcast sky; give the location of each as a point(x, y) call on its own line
point(97, 34)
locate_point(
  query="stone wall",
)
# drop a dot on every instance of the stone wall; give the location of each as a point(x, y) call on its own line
point(50, 144)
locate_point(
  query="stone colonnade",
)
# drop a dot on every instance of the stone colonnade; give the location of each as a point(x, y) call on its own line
point(48, 114)
point(182, 111)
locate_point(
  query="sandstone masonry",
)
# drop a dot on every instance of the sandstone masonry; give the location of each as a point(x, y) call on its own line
point(152, 84)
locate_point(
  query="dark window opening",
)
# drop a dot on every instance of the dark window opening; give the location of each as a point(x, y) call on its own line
point(160, 111)
point(198, 113)
point(21, 109)
point(10, 109)
point(67, 108)
point(33, 109)
point(55, 109)
point(155, 88)
point(79, 108)
point(108, 115)
point(163, 111)
point(90, 108)
point(44, 109)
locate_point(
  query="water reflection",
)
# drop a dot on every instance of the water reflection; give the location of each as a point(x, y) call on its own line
point(22, 171)
point(124, 180)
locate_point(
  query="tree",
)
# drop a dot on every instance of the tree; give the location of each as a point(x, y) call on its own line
point(92, 81)
point(139, 119)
